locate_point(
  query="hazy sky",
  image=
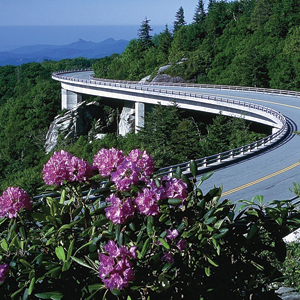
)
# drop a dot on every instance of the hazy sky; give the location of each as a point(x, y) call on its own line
point(92, 12)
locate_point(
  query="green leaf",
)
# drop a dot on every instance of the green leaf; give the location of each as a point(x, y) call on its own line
point(207, 271)
point(50, 295)
point(253, 229)
point(223, 232)
point(252, 212)
point(60, 253)
point(178, 173)
point(150, 222)
point(31, 286)
point(219, 224)
point(70, 250)
point(212, 262)
point(64, 227)
point(206, 176)
point(96, 286)
point(66, 265)
point(62, 197)
point(193, 167)
point(260, 199)
point(174, 201)
point(25, 263)
point(22, 232)
point(210, 220)
point(145, 247)
point(4, 245)
point(101, 222)
point(81, 262)
point(164, 243)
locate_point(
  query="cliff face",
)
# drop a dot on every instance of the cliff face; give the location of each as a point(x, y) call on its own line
point(92, 119)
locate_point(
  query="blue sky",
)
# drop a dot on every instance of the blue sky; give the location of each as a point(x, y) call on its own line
point(92, 12)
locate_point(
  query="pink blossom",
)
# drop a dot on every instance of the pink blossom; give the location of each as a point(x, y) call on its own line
point(115, 268)
point(127, 174)
point(62, 166)
point(147, 202)
point(172, 234)
point(120, 210)
point(12, 201)
point(143, 160)
point(176, 188)
point(3, 271)
point(168, 257)
point(181, 245)
point(107, 160)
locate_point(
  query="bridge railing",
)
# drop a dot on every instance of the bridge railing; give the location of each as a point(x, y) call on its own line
point(209, 161)
point(186, 85)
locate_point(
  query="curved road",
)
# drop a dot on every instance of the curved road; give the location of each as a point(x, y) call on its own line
point(270, 173)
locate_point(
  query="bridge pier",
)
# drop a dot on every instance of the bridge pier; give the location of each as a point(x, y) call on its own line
point(139, 115)
point(69, 99)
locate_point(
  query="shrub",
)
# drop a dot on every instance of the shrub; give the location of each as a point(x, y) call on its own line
point(133, 235)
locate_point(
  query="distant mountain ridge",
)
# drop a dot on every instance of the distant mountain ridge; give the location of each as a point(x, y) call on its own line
point(39, 53)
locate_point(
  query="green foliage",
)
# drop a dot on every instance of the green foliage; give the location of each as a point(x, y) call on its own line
point(290, 267)
point(247, 43)
point(29, 101)
point(52, 251)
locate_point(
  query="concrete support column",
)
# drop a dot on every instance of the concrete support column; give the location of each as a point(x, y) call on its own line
point(139, 115)
point(69, 99)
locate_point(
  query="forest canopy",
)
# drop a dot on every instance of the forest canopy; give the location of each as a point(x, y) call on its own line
point(246, 43)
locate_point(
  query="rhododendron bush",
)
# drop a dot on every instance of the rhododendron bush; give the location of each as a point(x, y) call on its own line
point(114, 229)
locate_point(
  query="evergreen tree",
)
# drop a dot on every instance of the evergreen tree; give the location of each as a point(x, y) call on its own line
point(179, 22)
point(211, 4)
point(144, 34)
point(199, 13)
point(165, 40)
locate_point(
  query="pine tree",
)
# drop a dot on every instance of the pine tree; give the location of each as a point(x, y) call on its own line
point(211, 4)
point(179, 22)
point(165, 40)
point(144, 34)
point(199, 13)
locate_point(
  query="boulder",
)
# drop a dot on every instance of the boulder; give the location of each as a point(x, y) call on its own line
point(167, 78)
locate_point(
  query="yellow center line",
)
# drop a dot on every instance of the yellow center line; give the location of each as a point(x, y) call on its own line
point(261, 179)
point(268, 176)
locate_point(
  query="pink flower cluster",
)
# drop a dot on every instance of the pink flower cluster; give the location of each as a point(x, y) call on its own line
point(62, 166)
point(3, 271)
point(120, 210)
point(107, 160)
point(123, 170)
point(12, 201)
point(115, 267)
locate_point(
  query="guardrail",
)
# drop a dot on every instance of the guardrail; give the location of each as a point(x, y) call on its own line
point(204, 162)
point(193, 85)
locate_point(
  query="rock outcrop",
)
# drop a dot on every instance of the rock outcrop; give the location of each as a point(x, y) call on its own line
point(83, 119)
point(127, 119)
point(167, 78)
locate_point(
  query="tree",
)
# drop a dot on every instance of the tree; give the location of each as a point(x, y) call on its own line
point(211, 4)
point(179, 22)
point(144, 34)
point(199, 13)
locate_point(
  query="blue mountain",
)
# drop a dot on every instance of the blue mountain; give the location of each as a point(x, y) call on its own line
point(82, 48)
